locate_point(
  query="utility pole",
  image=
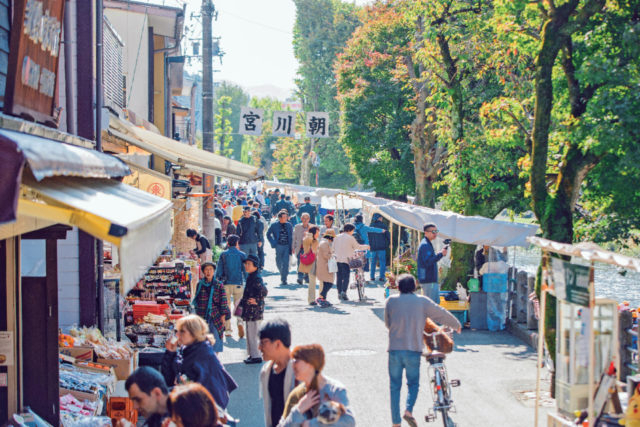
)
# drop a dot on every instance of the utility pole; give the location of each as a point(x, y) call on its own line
point(208, 212)
point(207, 75)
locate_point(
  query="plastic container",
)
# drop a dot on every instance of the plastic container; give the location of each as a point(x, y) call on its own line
point(473, 285)
point(496, 310)
point(494, 282)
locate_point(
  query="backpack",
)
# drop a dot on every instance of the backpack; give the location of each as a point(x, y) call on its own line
point(358, 237)
point(308, 258)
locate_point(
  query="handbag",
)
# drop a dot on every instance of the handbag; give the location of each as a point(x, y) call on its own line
point(308, 258)
point(333, 265)
point(239, 309)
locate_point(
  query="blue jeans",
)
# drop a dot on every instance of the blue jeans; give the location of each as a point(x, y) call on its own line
point(249, 248)
point(409, 361)
point(282, 261)
point(382, 257)
point(431, 290)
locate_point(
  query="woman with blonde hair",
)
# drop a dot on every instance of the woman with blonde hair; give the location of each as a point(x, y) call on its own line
point(308, 259)
point(318, 399)
point(191, 358)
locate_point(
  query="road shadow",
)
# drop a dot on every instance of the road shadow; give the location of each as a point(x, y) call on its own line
point(379, 312)
point(332, 309)
point(232, 342)
point(245, 402)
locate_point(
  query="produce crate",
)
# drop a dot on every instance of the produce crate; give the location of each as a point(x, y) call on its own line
point(141, 310)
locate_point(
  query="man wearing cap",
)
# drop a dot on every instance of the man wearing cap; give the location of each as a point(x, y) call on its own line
point(308, 208)
point(253, 307)
point(428, 263)
point(249, 233)
point(280, 236)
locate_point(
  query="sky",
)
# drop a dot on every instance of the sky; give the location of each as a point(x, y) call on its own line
point(256, 37)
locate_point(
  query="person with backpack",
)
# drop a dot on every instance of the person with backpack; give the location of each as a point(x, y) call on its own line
point(344, 247)
point(379, 243)
point(249, 232)
point(231, 273)
point(299, 231)
point(361, 234)
point(308, 258)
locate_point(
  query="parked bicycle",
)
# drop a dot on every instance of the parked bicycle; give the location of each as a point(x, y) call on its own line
point(437, 347)
point(356, 264)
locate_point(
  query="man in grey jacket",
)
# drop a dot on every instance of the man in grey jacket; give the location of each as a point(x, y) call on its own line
point(277, 378)
point(405, 316)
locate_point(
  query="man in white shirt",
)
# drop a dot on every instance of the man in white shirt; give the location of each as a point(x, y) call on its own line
point(344, 247)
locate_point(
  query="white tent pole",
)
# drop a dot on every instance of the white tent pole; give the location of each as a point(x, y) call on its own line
point(592, 349)
point(391, 252)
point(541, 332)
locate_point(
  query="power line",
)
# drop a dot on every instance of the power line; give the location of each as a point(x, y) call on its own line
point(242, 18)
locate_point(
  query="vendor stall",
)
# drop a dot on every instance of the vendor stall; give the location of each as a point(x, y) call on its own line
point(587, 358)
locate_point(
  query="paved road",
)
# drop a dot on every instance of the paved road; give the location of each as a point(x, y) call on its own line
point(495, 368)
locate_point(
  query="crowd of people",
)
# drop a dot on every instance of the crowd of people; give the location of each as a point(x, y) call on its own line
point(194, 388)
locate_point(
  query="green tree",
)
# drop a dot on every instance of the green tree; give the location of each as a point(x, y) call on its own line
point(376, 102)
point(222, 132)
point(321, 30)
point(239, 99)
point(584, 133)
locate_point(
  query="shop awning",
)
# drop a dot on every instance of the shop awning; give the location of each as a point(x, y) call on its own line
point(46, 158)
point(135, 221)
point(182, 154)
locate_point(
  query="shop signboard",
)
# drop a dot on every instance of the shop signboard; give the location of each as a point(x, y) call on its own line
point(570, 282)
point(32, 82)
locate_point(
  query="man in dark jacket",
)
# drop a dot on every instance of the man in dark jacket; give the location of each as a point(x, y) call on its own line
point(231, 273)
point(280, 236)
point(307, 208)
point(281, 204)
point(379, 242)
point(248, 231)
point(428, 263)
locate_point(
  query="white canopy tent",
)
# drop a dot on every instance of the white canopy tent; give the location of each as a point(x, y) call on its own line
point(475, 230)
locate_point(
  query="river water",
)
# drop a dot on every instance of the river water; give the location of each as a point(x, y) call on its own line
point(609, 282)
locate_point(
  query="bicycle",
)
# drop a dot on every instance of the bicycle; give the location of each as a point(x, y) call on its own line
point(440, 384)
point(356, 264)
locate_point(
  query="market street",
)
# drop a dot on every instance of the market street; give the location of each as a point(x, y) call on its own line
point(494, 367)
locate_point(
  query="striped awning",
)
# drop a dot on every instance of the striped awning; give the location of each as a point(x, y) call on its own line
point(47, 158)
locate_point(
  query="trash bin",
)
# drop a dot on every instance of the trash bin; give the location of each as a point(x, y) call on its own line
point(478, 310)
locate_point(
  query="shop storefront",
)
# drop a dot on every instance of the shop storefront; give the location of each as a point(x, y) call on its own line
point(50, 188)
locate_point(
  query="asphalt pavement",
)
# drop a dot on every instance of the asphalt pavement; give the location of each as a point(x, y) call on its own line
point(496, 370)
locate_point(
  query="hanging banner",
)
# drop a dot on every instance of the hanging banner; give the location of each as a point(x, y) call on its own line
point(32, 71)
point(284, 123)
point(570, 282)
point(318, 124)
point(250, 121)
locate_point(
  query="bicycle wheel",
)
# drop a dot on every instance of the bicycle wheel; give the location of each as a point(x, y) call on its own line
point(361, 290)
point(442, 396)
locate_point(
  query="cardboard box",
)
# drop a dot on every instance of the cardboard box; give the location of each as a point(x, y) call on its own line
point(123, 367)
point(79, 353)
point(80, 395)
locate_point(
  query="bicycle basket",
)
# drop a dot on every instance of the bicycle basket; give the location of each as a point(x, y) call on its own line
point(356, 263)
point(437, 339)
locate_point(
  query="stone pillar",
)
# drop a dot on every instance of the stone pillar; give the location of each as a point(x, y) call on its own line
point(511, 287)
point(532, 322)
point(521, 296)
point(625, 339)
